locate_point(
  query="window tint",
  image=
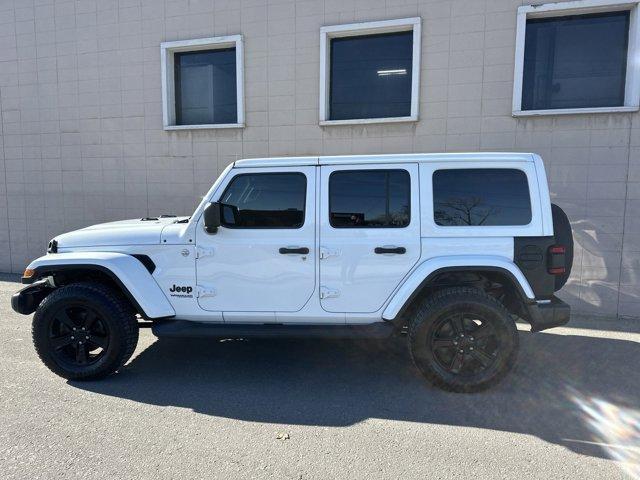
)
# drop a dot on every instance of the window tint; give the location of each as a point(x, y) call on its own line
point(481, 197)
point(370, 76)
point(265, 200)
point(369, 198)
point(205, 87)
point(575, 61)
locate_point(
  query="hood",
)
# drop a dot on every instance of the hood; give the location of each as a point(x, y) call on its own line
point(146, 231)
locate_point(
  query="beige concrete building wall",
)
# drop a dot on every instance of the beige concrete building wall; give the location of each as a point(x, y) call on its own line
point(82, 142)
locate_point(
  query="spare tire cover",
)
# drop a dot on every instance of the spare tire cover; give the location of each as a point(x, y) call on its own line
point(564, 236)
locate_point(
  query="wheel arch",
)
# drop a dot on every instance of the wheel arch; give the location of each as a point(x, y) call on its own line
point(444, 272)
point(124, 272)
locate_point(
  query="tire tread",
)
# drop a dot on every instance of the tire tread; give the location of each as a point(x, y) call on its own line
point(121, 314)
point(424, 312)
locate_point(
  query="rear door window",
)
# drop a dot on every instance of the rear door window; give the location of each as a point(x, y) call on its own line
point(369, 198)
point(481, 197)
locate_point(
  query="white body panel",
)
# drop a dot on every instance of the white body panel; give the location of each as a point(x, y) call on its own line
point(125, 232)
point(128, 269)
point(357, 279)
point(244, 269)
point(501, 257)
point(241, 277)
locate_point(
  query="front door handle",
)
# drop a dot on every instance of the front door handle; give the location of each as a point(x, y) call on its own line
point(396, 250)
point(294, 250)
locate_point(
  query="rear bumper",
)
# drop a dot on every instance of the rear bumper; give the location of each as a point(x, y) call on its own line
point(554, 313)
point(27, 300)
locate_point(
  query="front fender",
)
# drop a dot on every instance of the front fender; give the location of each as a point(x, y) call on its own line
point(127, 271)
point(427, 270)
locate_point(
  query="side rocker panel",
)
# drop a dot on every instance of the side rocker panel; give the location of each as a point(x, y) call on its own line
point(125, 269)
point(424, 270)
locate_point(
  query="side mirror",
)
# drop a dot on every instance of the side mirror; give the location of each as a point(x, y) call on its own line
point(212, 217)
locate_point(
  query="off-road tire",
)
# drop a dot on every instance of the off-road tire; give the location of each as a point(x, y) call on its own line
point(115, 312)
point(564, 236)
point(471, 301)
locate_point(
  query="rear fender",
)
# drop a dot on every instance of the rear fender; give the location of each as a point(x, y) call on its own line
point(429, 269)
point(125, 270)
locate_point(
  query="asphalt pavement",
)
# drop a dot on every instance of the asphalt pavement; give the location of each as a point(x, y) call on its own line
point(322, 409)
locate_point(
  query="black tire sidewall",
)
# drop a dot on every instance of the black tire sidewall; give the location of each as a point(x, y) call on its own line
point(111, 314)
point(424, 356)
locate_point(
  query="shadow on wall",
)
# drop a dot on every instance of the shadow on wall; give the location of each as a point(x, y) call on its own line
point(594, 286)
point(579, 392)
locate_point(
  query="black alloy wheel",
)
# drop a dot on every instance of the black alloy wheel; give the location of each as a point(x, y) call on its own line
point(464, 344)
point(78, 336)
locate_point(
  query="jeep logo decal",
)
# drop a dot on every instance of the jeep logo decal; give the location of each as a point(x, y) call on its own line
point(178, 291)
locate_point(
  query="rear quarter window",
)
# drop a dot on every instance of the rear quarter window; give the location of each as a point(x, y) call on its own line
point(481, 197)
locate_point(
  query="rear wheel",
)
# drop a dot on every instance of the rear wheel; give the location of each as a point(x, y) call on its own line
point(84, 331)
point(463, 340)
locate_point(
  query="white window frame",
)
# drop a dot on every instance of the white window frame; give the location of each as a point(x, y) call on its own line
point(369, 28)
point(579, 7)
point(167, 51)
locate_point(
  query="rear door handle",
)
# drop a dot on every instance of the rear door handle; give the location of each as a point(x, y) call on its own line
point(294, 250)
point(396, 250)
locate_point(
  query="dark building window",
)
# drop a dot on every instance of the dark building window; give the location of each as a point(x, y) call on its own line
point(481, 197)
point(370, 76)
point(205, 87)
point(576, 61)
point(369, 199)
point(265, 200)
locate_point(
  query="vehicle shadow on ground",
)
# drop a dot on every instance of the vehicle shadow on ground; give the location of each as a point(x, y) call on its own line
point(568, 390)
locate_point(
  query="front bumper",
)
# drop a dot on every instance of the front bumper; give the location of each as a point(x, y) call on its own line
point(553, 313)
point(27, 300)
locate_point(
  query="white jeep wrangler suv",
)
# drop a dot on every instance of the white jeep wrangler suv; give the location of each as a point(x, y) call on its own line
point(446, 248)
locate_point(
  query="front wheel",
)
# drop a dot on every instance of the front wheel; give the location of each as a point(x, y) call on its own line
point(463, 340)
point(84, 331)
